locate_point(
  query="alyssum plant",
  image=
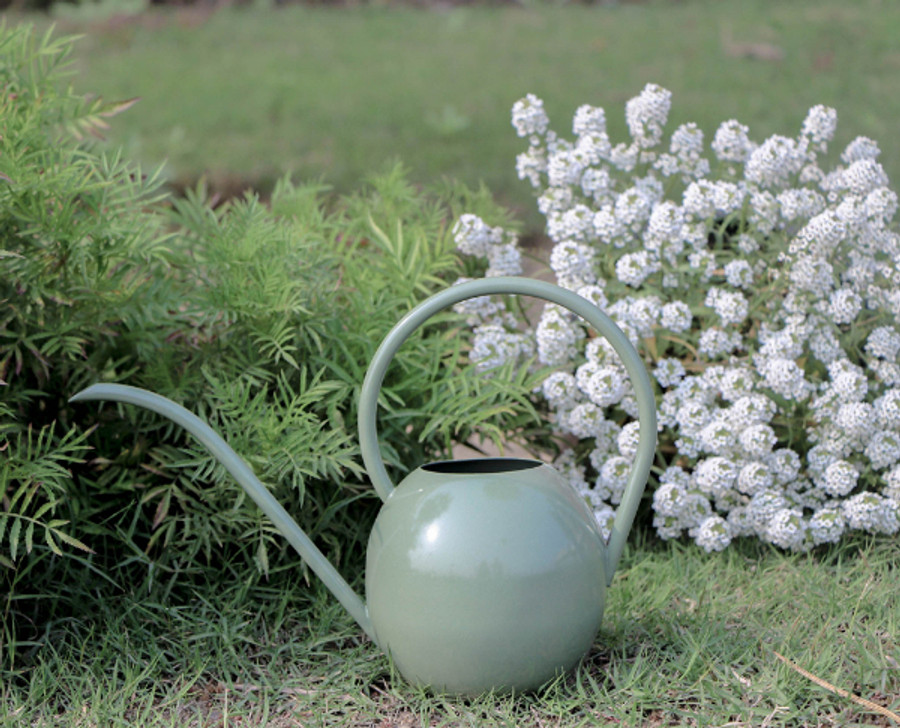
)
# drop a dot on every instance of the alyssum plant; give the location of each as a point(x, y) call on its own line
point(763, 292)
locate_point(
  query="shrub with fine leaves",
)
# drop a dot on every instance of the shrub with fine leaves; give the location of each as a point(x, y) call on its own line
point(259, 317)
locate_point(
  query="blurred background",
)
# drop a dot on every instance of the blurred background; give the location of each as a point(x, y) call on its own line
point(241, 93)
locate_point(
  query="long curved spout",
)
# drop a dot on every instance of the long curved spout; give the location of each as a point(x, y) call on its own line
point(248, 481)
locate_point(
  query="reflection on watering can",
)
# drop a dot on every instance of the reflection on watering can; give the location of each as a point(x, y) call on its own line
point(480, 574)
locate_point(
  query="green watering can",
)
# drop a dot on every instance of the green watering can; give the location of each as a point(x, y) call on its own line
point(483, 574)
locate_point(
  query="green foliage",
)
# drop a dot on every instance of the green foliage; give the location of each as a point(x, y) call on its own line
point(260, 318)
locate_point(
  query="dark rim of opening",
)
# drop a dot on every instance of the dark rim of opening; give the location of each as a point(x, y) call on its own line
point(477, 466)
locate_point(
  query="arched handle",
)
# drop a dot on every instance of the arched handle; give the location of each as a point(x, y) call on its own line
point(368, 403)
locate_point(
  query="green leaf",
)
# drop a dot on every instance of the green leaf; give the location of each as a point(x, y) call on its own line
point(29, 536)
point(72, 541)
point(51, 542)
point(14, 537)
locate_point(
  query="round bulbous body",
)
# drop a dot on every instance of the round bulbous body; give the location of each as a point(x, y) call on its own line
point(485, 574)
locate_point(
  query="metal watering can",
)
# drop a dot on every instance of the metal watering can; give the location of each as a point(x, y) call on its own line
point(482, 574)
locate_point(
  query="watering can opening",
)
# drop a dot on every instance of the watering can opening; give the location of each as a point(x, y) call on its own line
point(478, 466)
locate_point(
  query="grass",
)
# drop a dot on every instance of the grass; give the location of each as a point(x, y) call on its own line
point(688, 640)
point(243, 95)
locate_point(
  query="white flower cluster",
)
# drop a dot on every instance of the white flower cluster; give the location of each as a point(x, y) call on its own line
point(764, 297)
point(474, 237)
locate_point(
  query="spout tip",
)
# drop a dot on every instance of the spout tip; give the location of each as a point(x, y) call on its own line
point(88, 393)
point(79, 396)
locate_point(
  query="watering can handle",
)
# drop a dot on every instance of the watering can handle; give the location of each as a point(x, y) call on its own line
point(368, 435)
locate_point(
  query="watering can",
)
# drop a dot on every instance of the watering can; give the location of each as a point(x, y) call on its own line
point(481, 574)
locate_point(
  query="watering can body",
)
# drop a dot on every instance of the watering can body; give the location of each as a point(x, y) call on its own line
point(485, 574)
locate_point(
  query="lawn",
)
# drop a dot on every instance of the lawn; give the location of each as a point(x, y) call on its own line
point(245, 94)
point(688, 640)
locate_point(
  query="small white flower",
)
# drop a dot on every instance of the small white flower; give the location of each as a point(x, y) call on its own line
point(892, 484)
point(643, 315)
point(737, 382)
point(773, 162)
point(764, 216)
point(751, 409)
point(493, 346)
point(887, 409)
point(860, 148)
point(819, 125)
point(532, 165)
point(856, 419)
point(560, 389)
point(696, 509)
point(784, 464)
point(826, 525)
point(584, 420)
point(605, 517)
point(785, 377)
point(718, 436)
point(755, 477)
point(883, 343)
point(863, 176)
point(633, 269)
point(573, 260)
point(849, 385)
point(589, 120)
point(647, 113)
point(871, 512)
point(628, 439)
point(800, 202)
point(556, 338)
point(883, 449)
point(715, 343)
point(757, 441)
point(714, 534)
point(596, 295)
point(669, 499)
point(529, 117)
point(565, 167)
point(881, 206)
point(606, 386)
point(668, 372)
point(614, 477)
point(676, 316)
point(731, 306)
point(596, 183)
point(739, 274)
point(731, 143)
point(474, 237)
point(665, 225)
point(840, 478)
point(699, 199)
point(504, 260)
point(845, 305)
point(693, 415)
point(607, 227)
point(716, 475)
point(633, 207)
point(787, 529)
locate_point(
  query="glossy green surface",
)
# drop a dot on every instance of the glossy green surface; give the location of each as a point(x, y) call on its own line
point(479, 580)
